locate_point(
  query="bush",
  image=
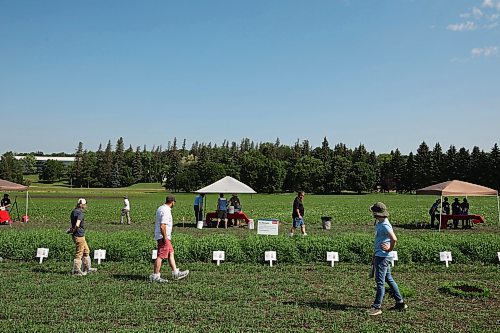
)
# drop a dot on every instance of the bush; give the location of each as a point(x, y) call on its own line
point(355, 248)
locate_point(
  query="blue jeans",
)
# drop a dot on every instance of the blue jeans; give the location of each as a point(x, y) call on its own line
point(298, 222)
point(382, 275)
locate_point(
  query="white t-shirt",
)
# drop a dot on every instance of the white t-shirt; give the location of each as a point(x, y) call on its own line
point(163, 216)
point(126, 204)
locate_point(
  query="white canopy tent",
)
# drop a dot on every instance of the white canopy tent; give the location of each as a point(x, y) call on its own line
point(454, 188)
point(226, 185)
point(5, 185)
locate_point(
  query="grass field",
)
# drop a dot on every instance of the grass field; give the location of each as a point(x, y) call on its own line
point(239, 297)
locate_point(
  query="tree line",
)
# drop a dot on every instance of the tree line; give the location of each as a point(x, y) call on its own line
point(266, 167)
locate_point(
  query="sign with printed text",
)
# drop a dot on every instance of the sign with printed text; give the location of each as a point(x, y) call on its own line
point(393, 256)
point(332, 257)
point(41, 253)
point(154, 255)
point(218, 256)
point(445, 256)
point(99, 255)
point(270, 256)
point(267, 227)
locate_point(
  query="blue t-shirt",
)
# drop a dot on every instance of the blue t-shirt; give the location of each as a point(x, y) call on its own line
point(222, 204)
point(198, 201)
point(382, 230)
point(77, 214)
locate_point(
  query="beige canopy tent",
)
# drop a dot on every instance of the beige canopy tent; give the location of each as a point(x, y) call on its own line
point(457, 187)
point(5, 185)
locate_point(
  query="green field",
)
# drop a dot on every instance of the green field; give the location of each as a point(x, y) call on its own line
point(239, 297)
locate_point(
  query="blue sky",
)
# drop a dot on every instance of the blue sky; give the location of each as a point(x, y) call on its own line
point(389, 74)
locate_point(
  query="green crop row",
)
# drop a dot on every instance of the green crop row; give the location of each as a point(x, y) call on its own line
point(354, 248)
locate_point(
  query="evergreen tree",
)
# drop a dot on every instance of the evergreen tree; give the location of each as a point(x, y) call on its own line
point(451, 166)
point(423, 166)
point(494, 169)
point(437, 165)
point(463, 165)
point(409, 176)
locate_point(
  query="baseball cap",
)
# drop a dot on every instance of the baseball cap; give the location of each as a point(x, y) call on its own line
point(82, 201)
point(170, 198)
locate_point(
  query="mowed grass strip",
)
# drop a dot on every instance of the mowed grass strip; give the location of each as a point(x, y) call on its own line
point(239, 298)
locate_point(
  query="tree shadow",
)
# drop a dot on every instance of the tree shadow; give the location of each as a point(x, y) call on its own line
point(327, 305)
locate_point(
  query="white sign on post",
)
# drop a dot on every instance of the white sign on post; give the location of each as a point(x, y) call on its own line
point(41, 253)
point(267, 227)
point(332, 257)
point(99, 255)
point(270, 256)
point(498, 253)
point(218, 256)
point(445, 256)
point(154, 255)
point(393, 256)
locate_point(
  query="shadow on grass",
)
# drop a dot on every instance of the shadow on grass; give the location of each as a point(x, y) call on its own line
point(45, 270)
point(326, 305)
point(130, 277)
point(412, 226)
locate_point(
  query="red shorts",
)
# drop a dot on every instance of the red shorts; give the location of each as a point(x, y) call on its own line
point(164, 248)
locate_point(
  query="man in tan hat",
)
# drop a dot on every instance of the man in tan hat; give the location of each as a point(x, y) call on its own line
point(385, 240)
point(81, 262)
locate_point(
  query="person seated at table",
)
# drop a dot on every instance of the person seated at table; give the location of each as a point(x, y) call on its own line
point(5, 202)
point(446, 206)
point(464, 206)
point(434, 212)
point(222, 210)
point(455, 210)
point(235, 202)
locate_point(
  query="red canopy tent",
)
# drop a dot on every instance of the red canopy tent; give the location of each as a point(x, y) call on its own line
point(457, 187)
point(5, 185)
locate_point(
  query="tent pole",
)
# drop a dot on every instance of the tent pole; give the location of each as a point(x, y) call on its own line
point(416, 205)
point(26, 204)
point(498, 208)
point(441, 210)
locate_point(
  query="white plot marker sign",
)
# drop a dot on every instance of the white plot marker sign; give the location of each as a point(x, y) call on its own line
point(445, 256)
point(498, 254)
point(332, 257)
point(41, 253)
point(99, 255)
point(270, 256)
point(154, 255)
point(218, 256)
point(393, 256)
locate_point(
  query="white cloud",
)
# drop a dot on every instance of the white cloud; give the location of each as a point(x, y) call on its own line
point(485, 51)
point(477, 13)
point(488, 4)
point(491, 25)
point(469, 25)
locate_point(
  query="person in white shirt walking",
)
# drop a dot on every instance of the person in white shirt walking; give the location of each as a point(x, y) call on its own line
point(125, 210)
point(163, 234)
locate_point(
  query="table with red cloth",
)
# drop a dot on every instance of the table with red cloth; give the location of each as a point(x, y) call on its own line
point(230, 216)
point(474, 217)
point(5, 217)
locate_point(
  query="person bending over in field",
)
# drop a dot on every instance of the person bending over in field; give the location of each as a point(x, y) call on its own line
point(163, 234)
point(385, 240)
point(82, 262)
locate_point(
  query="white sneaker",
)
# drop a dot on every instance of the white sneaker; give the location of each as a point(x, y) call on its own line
point(154, 278)
point(304, 234)
point(180, 275)
point(290, 234)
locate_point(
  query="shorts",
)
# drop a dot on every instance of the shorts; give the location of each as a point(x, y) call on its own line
point(298, 221)
point(222, 214)
point(164, 248)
